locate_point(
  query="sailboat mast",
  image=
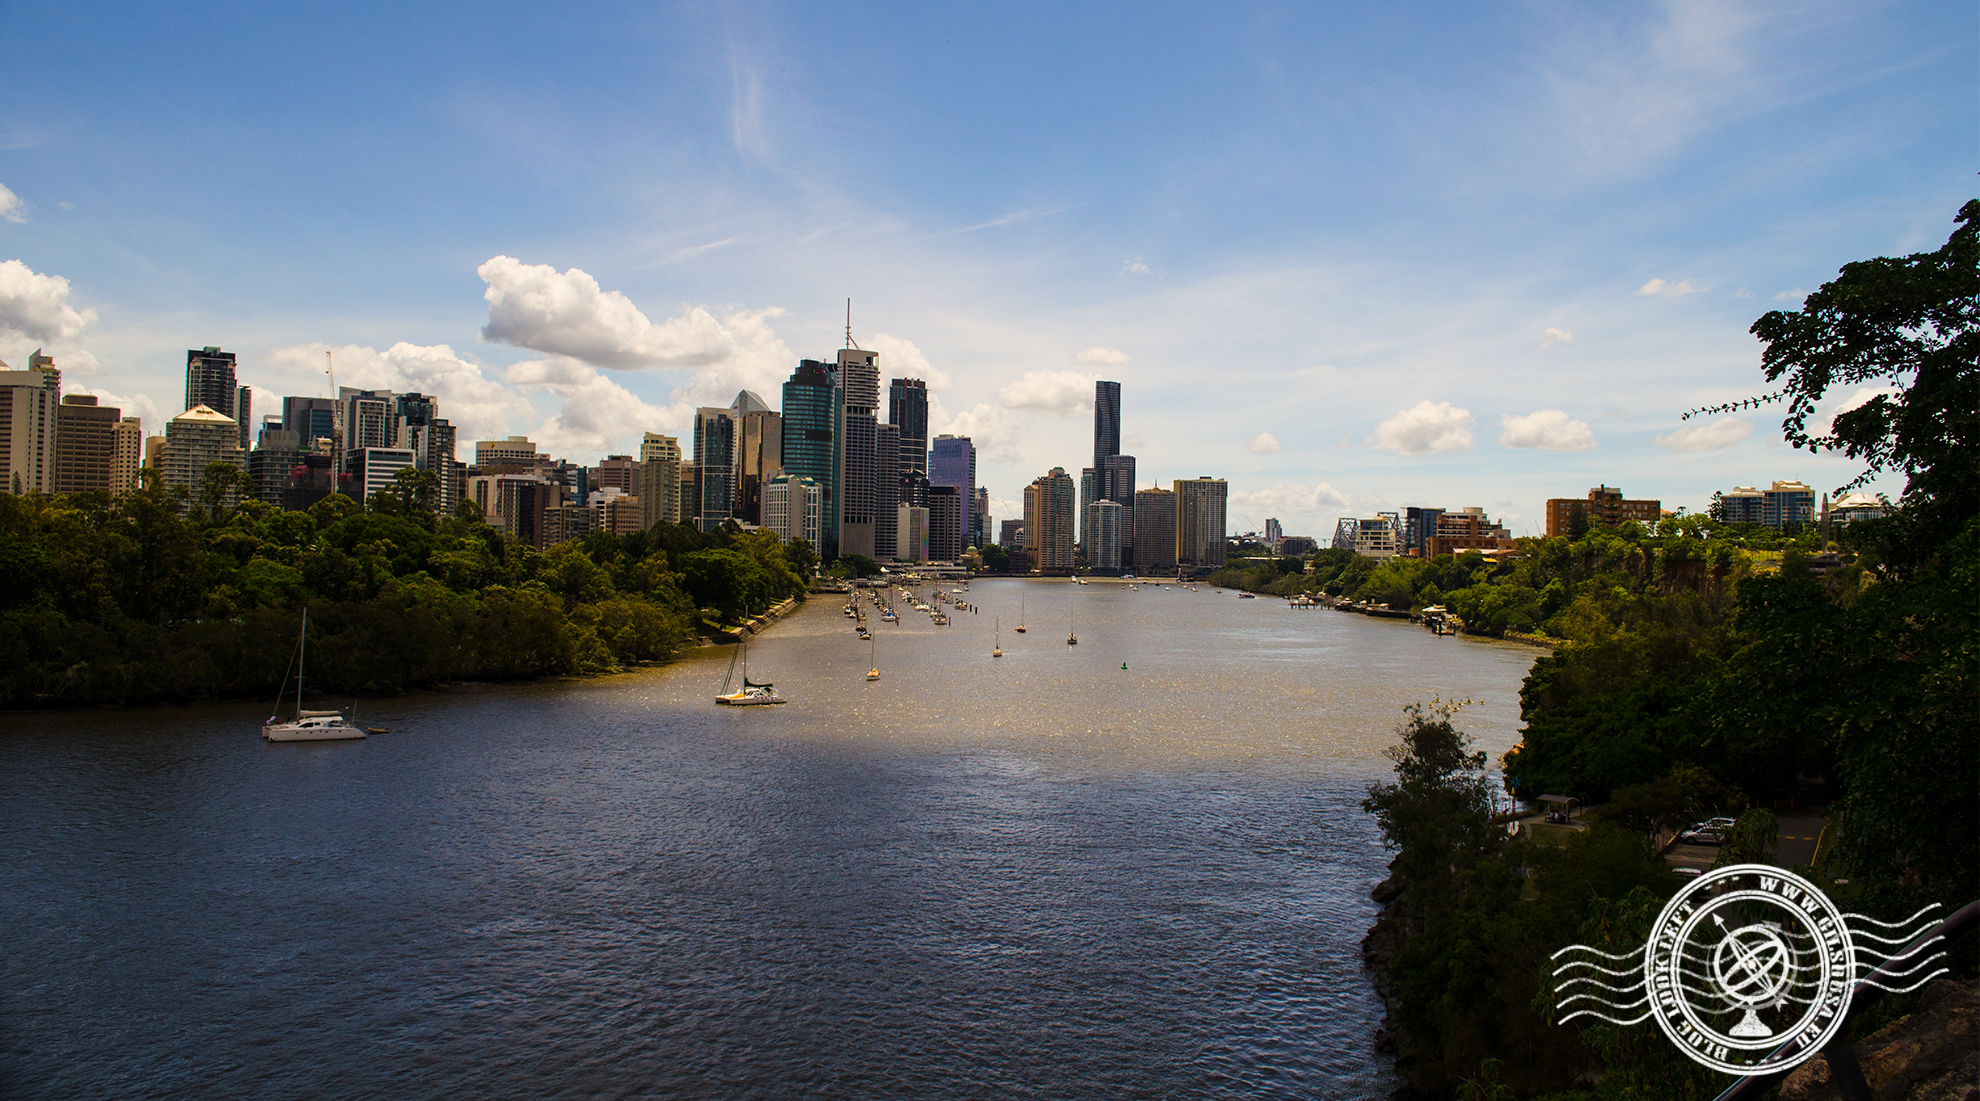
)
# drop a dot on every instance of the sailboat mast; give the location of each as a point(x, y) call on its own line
point(302, 659)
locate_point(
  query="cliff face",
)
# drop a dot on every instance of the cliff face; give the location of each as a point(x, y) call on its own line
point(1930, 1055)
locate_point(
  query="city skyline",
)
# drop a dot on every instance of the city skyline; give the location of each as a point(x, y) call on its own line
point(1541, 237)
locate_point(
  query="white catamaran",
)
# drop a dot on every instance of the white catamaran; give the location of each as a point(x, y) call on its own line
point(751, 694)
point(308, 726)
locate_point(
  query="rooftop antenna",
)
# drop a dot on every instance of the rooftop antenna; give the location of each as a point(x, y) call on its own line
point(330, 368)
point(849, 327)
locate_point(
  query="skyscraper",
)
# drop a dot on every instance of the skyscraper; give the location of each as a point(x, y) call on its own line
point(659, 480)
point(195, 438)
point(810, 441)
point(129, 453)
point(1106, 420)
point(859, 395)
point(1048, 521)
point(29, 404)
point(1104, 543)
point(277, 452)
point(210, 380)
point(979, 518)
point(1155, 532)
point(907, 407)
point(85, 443)
point(714, 459)
point(952, 462)
point(1200, 523)
point(791, 507)
point(1113, 473)
point(886, 488)
point(759, 452)
point(310, 419)
point(945, 528)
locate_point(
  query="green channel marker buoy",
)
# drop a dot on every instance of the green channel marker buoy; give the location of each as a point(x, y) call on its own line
point(1124, 665)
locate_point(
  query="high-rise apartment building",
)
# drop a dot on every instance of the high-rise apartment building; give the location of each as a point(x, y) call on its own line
point(714, 459)
point(210, 381)
point(1419, 527)
point(886, 506)
point(1787, 504)
point(311, 419)
point(1155, 532)
point(859, 474)
point(129, 454)
point(277, 452)
point(514, 451)
point(1468, 529)
point(1103, 544)
point(1089, 486)
point(1200, 523)
point(907, 408)
point(979, 518)
point(1604, 506)
point(85, 444)
point(759, 452)
point(620, 472)
point(1113, 474)
point(952, 462)
point(30, 401)
point(1379, 536)
point(659, 480)
point(810, 441)
point(194, 440)
point(1048, 521)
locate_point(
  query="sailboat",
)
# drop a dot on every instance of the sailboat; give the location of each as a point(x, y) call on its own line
point(308, 726)
point(874, 673)
point(1020, 626)
point(751, 693)
point(1072, 637)
point(997, 645)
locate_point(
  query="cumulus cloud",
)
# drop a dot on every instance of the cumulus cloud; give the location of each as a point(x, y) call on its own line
point(11, 207)
point(1789, 296)
point(1823, 422)
point(1707, 436)
point(1134, 267)
point(1661, 289)
point(1287, 500)
point(480, 407)
point(598, 414)
point(36, 306)
point(994, 431)
point(1425, 429)
point(1102, 356)
point(1557, 336)
point(899, 358)
point(1546, 429)
point(1263, 444)
point(1053, 393)
point(135, 405)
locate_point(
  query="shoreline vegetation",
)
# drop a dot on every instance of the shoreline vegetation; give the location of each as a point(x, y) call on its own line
point(151, 598)
point(1690, 682)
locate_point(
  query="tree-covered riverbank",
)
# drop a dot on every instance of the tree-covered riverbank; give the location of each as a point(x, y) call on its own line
point(143, 597)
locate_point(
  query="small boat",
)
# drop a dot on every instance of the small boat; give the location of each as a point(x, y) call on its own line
point(997, 644)
point(751, 694)
point(874, 673)
point(1247, 596)
point(1072, 636)
point(1020, 627)
point(308, 726)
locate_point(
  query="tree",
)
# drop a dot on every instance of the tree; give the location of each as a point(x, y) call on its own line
point(220, 483)
point(803, 558)
point(995, 558)
point(1438, 812)
point(1910, 325)
point(859, 565)
point(418, 491)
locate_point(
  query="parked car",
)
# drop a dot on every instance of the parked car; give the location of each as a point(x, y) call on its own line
point(1705, 833)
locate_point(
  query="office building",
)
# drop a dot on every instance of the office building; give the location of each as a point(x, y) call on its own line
point(376, 469)
point(1744, 505)
point(1103, 548)
point(1155, 532)
point(1379, 536)
point(1010, 535)
point(30, 401)
point(714, 460)
point(945, 523)
point(690, 493)
point(514, 451)
point(952, 462)
point(85, 444)
point(659, 480)
point(886, 504)
point(794, 508)
point(911, 545)
point(759, 452)
point(907, 409)
point(1200, 523)
point(979, 518)
point(514, 501)
point(1419, 527)
point(277, 452)
point(810, 441)
point(1113, 475)
point(1106, 420)
point(858, 439)
point(620, 472)
point(1787, 505)
point(311, 419)
point(1089, 482)
point(194, 440)
point(1049, 510)
point(1604, 506)
point(211, 381)
point(1469, 529)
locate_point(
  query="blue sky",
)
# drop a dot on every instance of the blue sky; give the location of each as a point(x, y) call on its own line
point(1349, 257)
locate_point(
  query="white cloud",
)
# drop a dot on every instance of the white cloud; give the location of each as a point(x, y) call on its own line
point(1708, 436)
point(599, 415)
point(1557, 336)
point(1263, 444)
point(11, 207)
point(994, 431)
point(899, 358)
point(136, 405)
point(1346, 444)
point(1425, 429)
point(1290, 500)
point(1053, 393)
point(1102, 356)
point(1789, 296)
point(1546, 429)
point(36, 306)
point(1824, 420)
point(478, 406)
point(1661, 289)
point(1134, 267)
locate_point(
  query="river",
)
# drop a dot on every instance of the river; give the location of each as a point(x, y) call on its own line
point(1134, 867)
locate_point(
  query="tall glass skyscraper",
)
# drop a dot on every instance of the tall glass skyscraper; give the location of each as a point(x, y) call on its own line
point(859, 445)
point(1106, 420)
point(952, 462)
point(811, 402)
point(907, 407)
